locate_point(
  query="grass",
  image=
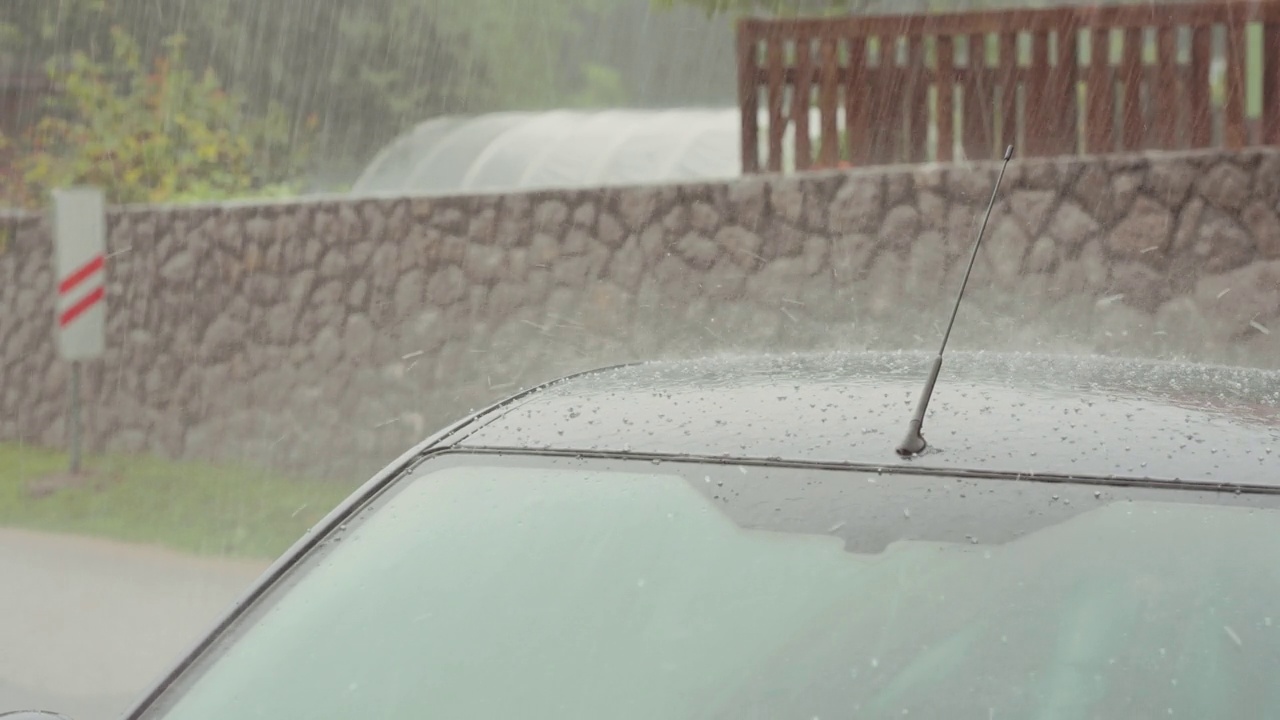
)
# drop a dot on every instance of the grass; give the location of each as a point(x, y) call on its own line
point(191, 507)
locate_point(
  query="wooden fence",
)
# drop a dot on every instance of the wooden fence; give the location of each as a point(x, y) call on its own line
point(1060, 81)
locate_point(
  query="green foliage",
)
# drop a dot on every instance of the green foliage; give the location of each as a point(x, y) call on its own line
point(365, 69)
point(372, 68)
point(10, 178)
point(163, 134)
point(602, 87)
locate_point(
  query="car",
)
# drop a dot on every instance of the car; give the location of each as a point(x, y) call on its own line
point(738, 537)
point(1092, 537)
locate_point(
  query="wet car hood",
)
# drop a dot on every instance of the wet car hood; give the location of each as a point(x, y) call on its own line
point(991, 411)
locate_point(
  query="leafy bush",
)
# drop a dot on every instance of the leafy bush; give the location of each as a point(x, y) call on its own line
point(163, 134)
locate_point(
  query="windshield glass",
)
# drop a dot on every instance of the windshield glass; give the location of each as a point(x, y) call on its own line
point(501, 588)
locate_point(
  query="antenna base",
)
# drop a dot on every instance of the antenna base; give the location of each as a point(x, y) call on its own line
point(914, 443)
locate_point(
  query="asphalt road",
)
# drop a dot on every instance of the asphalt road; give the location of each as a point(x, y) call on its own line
point(86, 624)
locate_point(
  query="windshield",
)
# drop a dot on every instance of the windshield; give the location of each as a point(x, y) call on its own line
point(488, 587)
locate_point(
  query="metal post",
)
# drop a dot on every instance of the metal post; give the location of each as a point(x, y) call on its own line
point(73, 418)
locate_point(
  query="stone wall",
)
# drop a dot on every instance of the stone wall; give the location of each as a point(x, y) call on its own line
point(327, 336)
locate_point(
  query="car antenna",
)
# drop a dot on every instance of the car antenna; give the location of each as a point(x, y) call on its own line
point(914, 443)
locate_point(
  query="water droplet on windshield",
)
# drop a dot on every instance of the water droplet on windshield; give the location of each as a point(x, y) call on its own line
point(1232, 634)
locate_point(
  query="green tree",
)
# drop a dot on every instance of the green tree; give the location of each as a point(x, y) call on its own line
point(158, 134)
point(365, 69)
point(371, 68)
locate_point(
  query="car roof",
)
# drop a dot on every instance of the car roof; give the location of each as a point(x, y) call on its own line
point(1081, 416)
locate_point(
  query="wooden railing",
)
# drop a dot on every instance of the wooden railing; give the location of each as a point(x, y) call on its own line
point(911, 88)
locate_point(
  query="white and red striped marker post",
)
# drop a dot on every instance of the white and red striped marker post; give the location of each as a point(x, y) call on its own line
point(80, 240)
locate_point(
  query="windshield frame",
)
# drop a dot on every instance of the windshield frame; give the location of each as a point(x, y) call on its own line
point(417, 464)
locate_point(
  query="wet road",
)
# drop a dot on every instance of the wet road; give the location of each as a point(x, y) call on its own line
point(87, 624)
